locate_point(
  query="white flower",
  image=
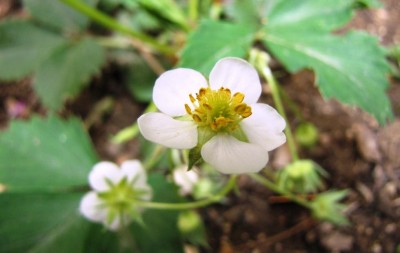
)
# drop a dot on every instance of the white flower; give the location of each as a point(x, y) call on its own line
point(115, 190)
point(185, 179)
point(220, 117)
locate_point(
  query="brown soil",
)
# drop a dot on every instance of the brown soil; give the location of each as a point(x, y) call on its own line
point(359, 155)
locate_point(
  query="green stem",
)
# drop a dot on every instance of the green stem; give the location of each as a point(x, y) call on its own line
point(278, 102)
point(114, 42)
point(291, 104)
point(109, 22)
point(269, 184)
point(193, 10)
point(131, 132)
point(191, 205)
point(215, 11)
point(154, 157)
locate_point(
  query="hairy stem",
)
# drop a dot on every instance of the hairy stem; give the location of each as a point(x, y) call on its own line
point(191, 205)
point(193, 10)
point(266, 72)
point(110, 23)
point(270, 185)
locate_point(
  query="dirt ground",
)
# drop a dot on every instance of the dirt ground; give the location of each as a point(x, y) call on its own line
point(359, 155)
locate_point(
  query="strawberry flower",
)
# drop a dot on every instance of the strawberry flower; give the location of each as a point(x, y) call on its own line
point(115, 190)
point(219, 119)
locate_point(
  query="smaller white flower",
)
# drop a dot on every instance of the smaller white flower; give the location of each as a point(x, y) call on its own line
point(115, 190)
point(185, 179)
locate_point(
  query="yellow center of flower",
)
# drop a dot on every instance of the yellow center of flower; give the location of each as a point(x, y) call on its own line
point(218, 109)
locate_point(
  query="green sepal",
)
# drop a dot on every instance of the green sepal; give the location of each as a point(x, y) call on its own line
point(239, 134)
point(204, 135)
point(326, 207)
point(194, 157)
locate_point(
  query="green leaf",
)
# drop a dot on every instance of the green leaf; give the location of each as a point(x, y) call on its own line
point(159, 232)
point(55, 14)
point(213, 40)
point(41, 223)
point(167, 11)
point(67, 71)
point(321, 15)
point(45, 155)
point(23, 47)
point(250, 11)
point(351, 68)
point(98, 239)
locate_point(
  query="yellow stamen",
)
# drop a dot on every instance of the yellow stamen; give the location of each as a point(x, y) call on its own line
point(188, 110)
point(192, 99)
point(238, 97)
point(196, 118)
point(218, 109)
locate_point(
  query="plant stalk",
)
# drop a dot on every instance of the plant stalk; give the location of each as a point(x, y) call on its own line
point(110, 23)
point(191, 205)
point(270, 185)
point(266, 72)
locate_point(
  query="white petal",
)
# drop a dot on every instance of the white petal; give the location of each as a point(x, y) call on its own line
point(91, 207)
point(231, 156)
point(162, 129)
point(101, 172)
point(185, 179)
point(237, 75)
point(171, 90)
point(264, 127)
point(134, 170)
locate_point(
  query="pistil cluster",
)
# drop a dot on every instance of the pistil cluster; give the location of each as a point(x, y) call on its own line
point(218, 109)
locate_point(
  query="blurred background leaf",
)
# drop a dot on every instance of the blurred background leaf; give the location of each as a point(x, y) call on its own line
point(66, 72)
point(41, 223)
point(45, 155)
point(23, 47)
point(57, 15)
point(160, 233)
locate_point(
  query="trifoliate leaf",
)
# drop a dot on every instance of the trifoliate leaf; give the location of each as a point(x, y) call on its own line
point(23, 47)
point(351, 68)
point(67, 71)
point(213, 40)
point(58, 15)
point(40, 223)
point(45, 155)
